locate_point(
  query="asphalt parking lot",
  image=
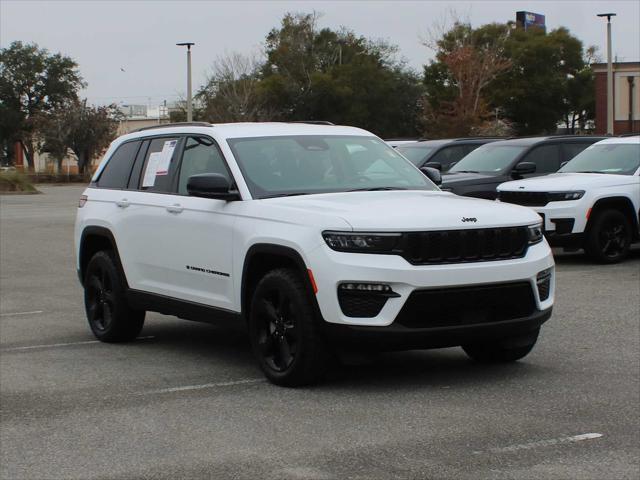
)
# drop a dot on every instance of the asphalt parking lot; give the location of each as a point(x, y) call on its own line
point(187, 401)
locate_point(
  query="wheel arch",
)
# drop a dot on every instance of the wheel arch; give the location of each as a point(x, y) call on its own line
point(620, 203)
point(93, 240)
point(263, 257)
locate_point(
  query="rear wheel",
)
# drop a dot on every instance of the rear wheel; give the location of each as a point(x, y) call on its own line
point(609, 237)
point(503, 351)
point(284, 330)
point(109, 316)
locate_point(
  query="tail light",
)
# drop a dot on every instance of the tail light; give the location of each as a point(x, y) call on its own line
point(82, 201)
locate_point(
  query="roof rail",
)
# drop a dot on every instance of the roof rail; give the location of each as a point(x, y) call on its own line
point(313, 122)
point(481, 137)
point(631, 134)
point(177, 124)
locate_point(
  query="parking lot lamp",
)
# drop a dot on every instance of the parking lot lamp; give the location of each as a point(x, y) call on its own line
point(609, 74)
point(189, 100)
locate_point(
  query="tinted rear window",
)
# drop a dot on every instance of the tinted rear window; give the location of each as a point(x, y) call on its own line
point(117, 170)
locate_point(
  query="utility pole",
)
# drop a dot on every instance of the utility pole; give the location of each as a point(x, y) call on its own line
point(189, 99)
point(609, 74)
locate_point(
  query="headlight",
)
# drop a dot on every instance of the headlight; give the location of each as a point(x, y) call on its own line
point(534, 233)
point(361, 242)
point(562, 196)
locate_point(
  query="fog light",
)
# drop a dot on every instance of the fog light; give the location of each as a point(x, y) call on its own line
point(366, 287)
point(543, 282)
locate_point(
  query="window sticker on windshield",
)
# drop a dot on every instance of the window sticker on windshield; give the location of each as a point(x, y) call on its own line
point(149, 179)
point(165, 157)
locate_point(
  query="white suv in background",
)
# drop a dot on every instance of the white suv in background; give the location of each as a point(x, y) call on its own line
point(593, 202)
point(315, 235)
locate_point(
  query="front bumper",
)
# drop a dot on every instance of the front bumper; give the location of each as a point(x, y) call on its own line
point(399, 337)
point(331, 268)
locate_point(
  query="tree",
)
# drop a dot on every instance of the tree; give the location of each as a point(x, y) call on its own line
point(313, 74)
point(534, 93)
point(86, 130)
point(33, 83)
point(232, 92)
point(467, 61)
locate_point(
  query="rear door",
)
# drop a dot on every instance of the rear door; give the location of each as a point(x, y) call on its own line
point(142, 240)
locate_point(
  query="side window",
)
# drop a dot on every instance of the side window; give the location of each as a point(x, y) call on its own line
point(200, 155)
point(546, 157)
point(117, 170)
point(134, 179)
point(448, 155)
point(159, 163)
point(573, 149)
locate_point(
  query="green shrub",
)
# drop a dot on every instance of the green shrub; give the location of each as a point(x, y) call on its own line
point(15, 181)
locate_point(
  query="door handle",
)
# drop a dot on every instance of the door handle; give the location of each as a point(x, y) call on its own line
point(124, 203)
point(175, 208)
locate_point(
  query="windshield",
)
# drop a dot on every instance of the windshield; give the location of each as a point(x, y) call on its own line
point(616, 158)
point(488, 158)
point(416, 154)
point(305, 164)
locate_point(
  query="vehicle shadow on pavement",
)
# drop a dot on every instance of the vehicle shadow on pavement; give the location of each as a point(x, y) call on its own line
point(227, 346)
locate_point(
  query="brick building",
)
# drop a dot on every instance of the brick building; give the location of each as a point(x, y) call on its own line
point(626, 97)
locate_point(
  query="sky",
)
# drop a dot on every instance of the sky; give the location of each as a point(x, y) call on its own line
point(126, 49)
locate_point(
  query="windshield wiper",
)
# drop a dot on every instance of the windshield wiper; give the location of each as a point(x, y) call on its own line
point(587, 171)
point(466, 171)
point(285, 195)
point(375, 189)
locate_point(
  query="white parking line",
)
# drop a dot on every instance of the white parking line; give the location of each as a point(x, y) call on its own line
point(56, 345)
point(13, 314)
point(542, 443)
point(203, 386)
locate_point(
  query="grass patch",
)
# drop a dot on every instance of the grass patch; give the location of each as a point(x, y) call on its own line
point(14, 181)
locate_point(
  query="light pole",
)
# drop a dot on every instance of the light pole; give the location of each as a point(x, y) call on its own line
point(609, 74)
point(189, 101)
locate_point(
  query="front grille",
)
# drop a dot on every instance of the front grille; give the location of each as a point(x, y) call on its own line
point(458, 246)
point(451, 307)
point(361, 304)
point(529, 199)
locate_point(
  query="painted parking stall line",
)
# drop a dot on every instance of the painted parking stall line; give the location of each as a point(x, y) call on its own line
point(185, 388)
point(542, 443)
point(58, 345)
point(15, 314)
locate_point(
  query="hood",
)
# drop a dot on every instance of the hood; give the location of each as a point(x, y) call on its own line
point(453, 178)
point(407, 210)
point(558, 182)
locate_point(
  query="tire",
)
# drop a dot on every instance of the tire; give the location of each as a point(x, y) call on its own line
point(284, 330)
point(609, 237)
point(503, 351)
point(109, 316)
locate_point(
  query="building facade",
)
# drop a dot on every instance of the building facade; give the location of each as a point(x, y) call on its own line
point(626, 97)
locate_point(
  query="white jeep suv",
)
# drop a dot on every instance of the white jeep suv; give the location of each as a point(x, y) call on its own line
point(316, 236)
point(593, 202)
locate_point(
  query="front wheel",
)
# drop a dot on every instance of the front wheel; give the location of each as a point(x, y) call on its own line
point(110, 317)
point(284, 330)
point(609, 237)
point(503, 351)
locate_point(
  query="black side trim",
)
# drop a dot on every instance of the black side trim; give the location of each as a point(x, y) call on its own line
point(273, 249)
point(180, 308)
point(95, 231)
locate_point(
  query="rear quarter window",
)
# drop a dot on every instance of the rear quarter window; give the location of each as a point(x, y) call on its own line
point(118, 168)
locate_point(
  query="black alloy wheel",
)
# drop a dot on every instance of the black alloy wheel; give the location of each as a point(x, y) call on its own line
point(285, 331)
point(110, 317)
point(609, 237)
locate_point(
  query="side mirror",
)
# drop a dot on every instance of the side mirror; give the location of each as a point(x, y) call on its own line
point(432, 174)
point(436, 165)
point(524, 168)
point(211, 185)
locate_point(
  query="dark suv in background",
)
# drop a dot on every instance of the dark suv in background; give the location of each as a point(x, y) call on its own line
point(441, 154)
point(479, 173)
